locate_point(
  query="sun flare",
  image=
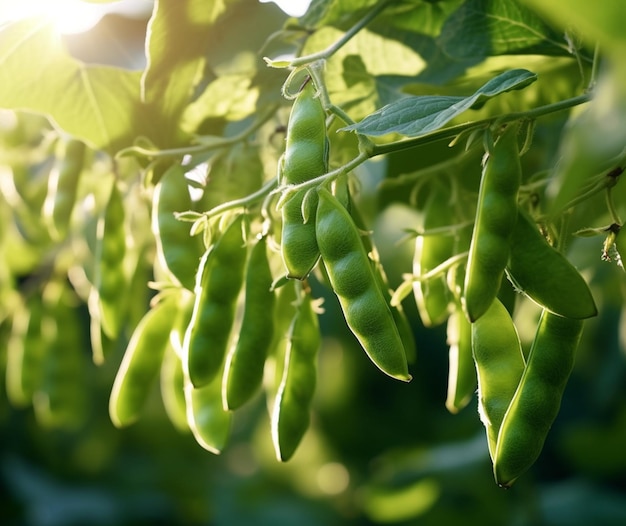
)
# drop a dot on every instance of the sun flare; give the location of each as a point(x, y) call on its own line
point(76, 16)
point(68, 16)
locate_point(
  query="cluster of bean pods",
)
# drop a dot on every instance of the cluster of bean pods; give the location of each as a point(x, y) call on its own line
point(518, 396)
point(237, 315)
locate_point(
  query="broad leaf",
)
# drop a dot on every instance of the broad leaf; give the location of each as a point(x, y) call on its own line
point(333, 12)
point(416, 116)
point(417, 17)
point(351, 73)
point(228, 96)
point(97, 104)
point(231, 174)
point(178, 38)
point(603, 22)
point(592, 142)
point(482, 28)
point(199, 66)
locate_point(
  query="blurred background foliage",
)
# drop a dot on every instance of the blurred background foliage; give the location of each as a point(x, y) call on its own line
point(378, 452)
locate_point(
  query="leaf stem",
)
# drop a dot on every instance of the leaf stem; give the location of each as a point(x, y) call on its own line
point(447, 165)
point(244, 202)
point(611, 206)
point(453, 131)
point(210, 143)
point(348, 167)
point(594, 68)
point(334, 47)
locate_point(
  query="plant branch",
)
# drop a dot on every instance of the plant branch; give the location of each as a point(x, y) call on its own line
point(327, 177)
point(333, 48)
point(453, 131)
point(206, 143)
point(244, 202)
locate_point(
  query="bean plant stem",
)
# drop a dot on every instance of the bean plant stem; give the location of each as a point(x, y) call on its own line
point(210, 144)
point(333, 48)
point(611, 206)
point(244, 202)
point(453, 131)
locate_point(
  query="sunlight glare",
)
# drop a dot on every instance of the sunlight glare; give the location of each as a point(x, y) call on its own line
point(68, 16)
point(291, 7)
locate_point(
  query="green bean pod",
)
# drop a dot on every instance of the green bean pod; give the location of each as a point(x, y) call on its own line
point(397, 311)
point(284, 312)
point(306, 157)
point(178, 252)
point(499, 366)
point(246, 359)
point(537, 399)
point(219, 281)
point(172, 377)
point(26, 350)
point(209, 422)
point(545, 275)
point(432, 297)
point(172, 387)
point(365, 309)
point(141, 363)
point(461, 369)
point(291, 414)
point(496, 215)
point(60, 400)
point(63, 187)
point(109, 276)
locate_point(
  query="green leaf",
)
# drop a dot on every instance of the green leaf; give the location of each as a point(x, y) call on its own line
point(482, 28)
point(332, 12)
point(199, 67)
point(231, 174)
point(592, 141)
point(352, 72)
point(98, 104)
point(178, 39)
point(601, 22)
point(417, 116)
point(418, 17)
point(228, 96)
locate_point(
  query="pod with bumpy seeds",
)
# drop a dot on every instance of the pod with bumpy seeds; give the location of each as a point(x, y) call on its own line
point(219, 281)
point(305, 157)
point(109, 276)
point(178, 251)
point(60, 399)
point(63, 186)
point(499, 366)
point(496, 215)
point(397, 311)
point(246, 359)
point(142, 362)
point(352, 279)
point(537, 399)
point(432, 296)
point(545, 275)
point(291, 414)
